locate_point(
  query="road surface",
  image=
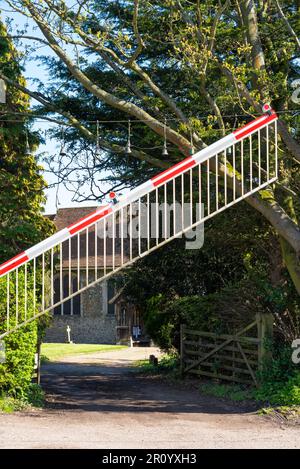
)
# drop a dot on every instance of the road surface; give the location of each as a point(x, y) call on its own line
point(95, 401)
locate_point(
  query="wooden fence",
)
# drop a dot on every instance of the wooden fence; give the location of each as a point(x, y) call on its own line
point(234, 358)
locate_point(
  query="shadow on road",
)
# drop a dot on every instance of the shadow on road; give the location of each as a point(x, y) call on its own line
point(116, 388)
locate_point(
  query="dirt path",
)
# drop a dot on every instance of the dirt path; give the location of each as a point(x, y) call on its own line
point(94, 401)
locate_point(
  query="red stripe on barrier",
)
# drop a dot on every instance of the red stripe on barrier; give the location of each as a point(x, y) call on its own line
point(21, 254)
point(9, 265)
point(158, 176)
point(86, 221)
point(174, 171)
point(249, 128)
point(156, 181)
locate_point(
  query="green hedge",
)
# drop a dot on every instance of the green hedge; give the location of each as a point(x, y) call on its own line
point(16, 372)
point(227, 311)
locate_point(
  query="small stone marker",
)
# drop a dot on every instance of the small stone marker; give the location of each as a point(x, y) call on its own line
point(2, 352)
point(69, 335)
point(153, 360)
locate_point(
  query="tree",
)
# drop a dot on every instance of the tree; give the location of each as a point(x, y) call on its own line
point(22, 222)
point(217, 288)
point(152, 59)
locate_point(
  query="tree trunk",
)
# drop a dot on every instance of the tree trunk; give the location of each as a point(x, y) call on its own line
point(291, 261)
point(279, 219)
point(250, 20)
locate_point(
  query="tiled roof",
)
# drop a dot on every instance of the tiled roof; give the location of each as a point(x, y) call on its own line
point(68, 216)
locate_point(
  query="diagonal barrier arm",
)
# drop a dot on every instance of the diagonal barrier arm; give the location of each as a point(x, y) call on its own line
point(40, 279)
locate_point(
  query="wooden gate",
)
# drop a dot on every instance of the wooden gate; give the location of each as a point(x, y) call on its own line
point(234, 358)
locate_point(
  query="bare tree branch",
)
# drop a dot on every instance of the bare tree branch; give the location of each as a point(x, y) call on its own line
point(103, 95)
point(287, 23)
point(105, 52)
point(72, 121)
point(140, 41)
point(292, 145)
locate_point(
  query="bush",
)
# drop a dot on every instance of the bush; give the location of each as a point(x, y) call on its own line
point(10, 404)
point(20, 346)
point(280, 393)
point(226, 311)
point(281, 367)
point(35, 395)
point(279, 378)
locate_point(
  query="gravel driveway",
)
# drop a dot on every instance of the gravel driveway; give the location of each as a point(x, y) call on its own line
point(95, 401)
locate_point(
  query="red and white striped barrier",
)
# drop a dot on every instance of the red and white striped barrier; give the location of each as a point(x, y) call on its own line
point(140, 191)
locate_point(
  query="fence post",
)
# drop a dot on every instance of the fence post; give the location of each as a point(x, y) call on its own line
point(182, 350)
point(265, 334)
point(38, 373)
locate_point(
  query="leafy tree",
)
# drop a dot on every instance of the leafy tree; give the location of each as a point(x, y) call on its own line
point(181, 60)
point(21, 219)
point(20, 347)
point(222, 286)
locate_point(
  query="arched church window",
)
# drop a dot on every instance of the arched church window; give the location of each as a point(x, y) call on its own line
point(72, 306)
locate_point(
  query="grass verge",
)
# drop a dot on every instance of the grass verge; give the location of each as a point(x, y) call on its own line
point(34, 397)
point(273, 399)
point(167, 365)
point(53, 352)
point(10, 404)
point(228, 391)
